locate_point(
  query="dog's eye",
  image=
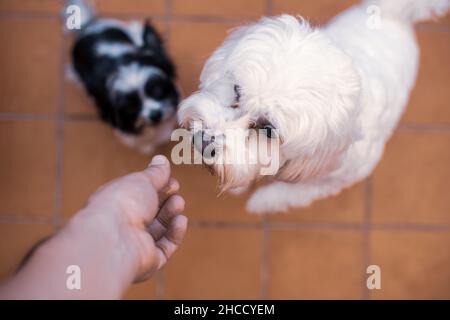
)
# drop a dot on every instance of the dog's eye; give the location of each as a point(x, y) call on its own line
point(270, 131)
point(237, 96)
point(237, 92)
point(156, 92)
point(156, 89)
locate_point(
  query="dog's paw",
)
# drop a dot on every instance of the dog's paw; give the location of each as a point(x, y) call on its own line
point(266, 200)
point(280, 197)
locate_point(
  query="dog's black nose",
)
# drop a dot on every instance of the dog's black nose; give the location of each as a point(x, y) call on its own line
point(155, 116)
point(201, 140)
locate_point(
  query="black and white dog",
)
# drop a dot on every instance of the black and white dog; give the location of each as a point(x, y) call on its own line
point(126, 70)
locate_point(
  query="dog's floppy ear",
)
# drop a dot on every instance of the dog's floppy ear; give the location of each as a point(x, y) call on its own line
point(153, 49)
point(149, 36)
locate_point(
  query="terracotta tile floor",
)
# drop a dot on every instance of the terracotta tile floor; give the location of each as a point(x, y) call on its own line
point(54, 152)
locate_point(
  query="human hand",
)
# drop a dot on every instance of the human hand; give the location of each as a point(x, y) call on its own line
point(128, 230)
point(144, 211)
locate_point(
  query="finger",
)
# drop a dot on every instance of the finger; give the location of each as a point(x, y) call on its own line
point(158, 172)
point(169, 243)
point(172, 207)
point(172, 187)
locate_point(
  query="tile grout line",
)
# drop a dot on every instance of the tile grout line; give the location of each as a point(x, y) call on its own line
point(224, 224)
point(319, 225)
point(60, 119)
point(269, 7)
point(403, 127)
point(28, 15)
point(425, 27)
point(160, 283)
point(265, 240)
point(7, 217)
point(211, 19)
point(410, 227)
point(431, 27)
point(186, 18)
point(366, 229)
point(12, 116)
point(423, 127)
point(168, 19)
point(264, 267)
point(15, 219)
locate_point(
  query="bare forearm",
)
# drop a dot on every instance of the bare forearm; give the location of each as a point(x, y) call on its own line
point(85, 243)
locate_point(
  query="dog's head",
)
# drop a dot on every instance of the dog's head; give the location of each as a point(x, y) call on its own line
point(131, 81)
point(284, 77)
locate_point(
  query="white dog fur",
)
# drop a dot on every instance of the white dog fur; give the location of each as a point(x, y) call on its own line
point(335, 95)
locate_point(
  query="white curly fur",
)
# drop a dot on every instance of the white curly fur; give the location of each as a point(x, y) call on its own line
point(335, 94)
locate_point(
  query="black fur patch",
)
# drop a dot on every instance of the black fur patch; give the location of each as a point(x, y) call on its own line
point(120, 110)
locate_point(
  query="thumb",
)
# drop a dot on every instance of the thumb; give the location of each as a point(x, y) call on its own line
point(158, 172)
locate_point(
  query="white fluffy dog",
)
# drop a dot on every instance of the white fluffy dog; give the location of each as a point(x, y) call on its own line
point(333, 94)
